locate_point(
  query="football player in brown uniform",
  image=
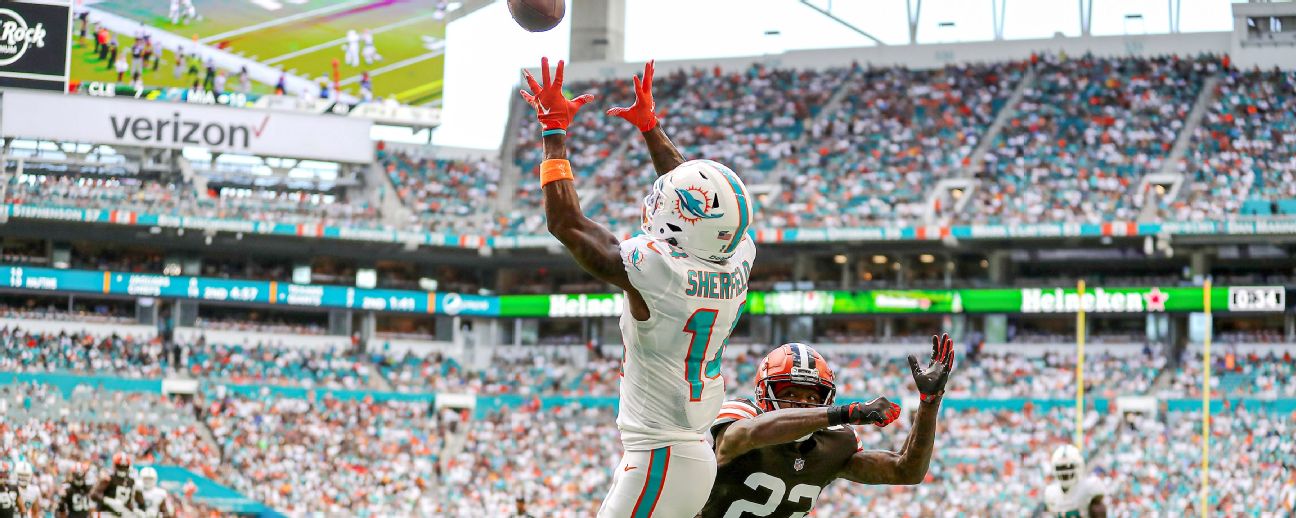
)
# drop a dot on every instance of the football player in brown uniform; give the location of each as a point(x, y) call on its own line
point(776, 454)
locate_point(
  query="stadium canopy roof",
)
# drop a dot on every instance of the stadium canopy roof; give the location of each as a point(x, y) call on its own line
point(935, 21)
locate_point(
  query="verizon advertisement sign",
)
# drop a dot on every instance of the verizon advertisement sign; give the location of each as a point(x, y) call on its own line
point(165, 125)
point(34, 44)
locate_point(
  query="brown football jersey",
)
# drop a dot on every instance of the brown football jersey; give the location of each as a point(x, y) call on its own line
point(779, 481)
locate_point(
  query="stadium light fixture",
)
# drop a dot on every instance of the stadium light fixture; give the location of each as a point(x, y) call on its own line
point(839, 259)
point(879, 259)
point(927, 258)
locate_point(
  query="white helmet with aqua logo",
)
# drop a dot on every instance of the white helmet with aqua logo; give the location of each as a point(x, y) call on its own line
point(702, 207)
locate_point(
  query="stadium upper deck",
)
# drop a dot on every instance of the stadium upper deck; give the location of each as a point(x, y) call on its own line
point(1050, 145)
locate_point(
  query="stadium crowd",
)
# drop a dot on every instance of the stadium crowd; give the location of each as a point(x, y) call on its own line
point(1083, 135)
point(442, 193)
point(55, 432)
point(328, 455)
point(293, 455)
point(1242, 158)
point(898, 131)
point(845, 146)
point(1234, 374)
point(1154, 466)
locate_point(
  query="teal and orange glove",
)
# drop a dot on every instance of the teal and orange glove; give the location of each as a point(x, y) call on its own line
point(553, 109)
point(641, 112)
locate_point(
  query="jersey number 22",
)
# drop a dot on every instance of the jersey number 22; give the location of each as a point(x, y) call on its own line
point(777, 489)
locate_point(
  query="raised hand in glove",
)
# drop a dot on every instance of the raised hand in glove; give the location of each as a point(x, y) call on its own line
point(641, 112)
point(552, 108)
point(931, 380)
point(879, 412)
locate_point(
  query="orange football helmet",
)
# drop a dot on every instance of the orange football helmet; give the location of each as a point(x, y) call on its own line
point(121, 464)
point(79, 473)
point(794, 363)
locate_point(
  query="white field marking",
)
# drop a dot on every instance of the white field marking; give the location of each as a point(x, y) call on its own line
point(269, 5)
point(280, 21)
point(399, 64)
point(339, 41)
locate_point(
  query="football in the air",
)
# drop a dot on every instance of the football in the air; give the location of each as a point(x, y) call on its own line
point(537, 15)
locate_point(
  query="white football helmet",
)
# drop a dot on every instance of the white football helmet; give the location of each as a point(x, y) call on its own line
point(1068, 466)
point(23, 474)
point(148, 478)
point(701, 207)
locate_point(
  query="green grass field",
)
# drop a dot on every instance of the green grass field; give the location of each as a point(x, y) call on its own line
point(305, 38)
point(86, 67)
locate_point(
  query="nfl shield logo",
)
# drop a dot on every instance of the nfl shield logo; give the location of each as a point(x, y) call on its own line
point(798, 464)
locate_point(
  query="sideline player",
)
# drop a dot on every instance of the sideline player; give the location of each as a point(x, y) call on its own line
point(776, 454)
point(155, 498)
point(685, 282)
point(27, 490)
point(1073, 493)
point(75, 501)
point(115, 493)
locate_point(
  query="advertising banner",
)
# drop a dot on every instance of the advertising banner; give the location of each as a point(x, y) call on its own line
point(1100, 299)
point(118, 121)
point(471, 305)
point(1021, 300)
point(562, 306)
point(35, 44)
point(221, 290)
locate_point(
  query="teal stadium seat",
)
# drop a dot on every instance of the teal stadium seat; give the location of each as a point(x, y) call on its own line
point(1287, 206)
point(1257, 208)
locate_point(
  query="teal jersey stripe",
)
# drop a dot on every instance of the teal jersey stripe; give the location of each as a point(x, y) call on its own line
point(657, 464)
point(743, 220)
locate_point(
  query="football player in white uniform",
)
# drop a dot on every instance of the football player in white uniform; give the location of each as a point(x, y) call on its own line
point(685, 282)
point(155, 498)
point(1074, 493)
point(27, 489)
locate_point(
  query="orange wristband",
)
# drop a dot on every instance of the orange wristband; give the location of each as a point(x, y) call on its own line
point(553, 170)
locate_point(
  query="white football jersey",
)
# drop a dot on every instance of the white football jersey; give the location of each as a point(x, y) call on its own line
point(30, 495)
point(1073, 503)
point(153, 499)
point(671, 386)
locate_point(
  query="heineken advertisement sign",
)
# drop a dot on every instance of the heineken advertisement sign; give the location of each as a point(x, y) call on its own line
point(561, 306)
point(1097, 299)
point(1023, 300)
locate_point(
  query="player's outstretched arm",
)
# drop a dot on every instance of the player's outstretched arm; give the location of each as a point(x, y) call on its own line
point(593, 246)
point(138, 499)
point(665, 156)
point(1097, 508)
point(786, 425)
point(909, 465)
point(97, 493)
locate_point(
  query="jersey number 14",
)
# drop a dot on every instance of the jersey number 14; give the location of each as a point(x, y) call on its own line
point(700, 325)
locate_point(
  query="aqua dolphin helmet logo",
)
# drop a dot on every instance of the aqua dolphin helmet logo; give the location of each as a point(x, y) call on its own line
point(692, 208)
